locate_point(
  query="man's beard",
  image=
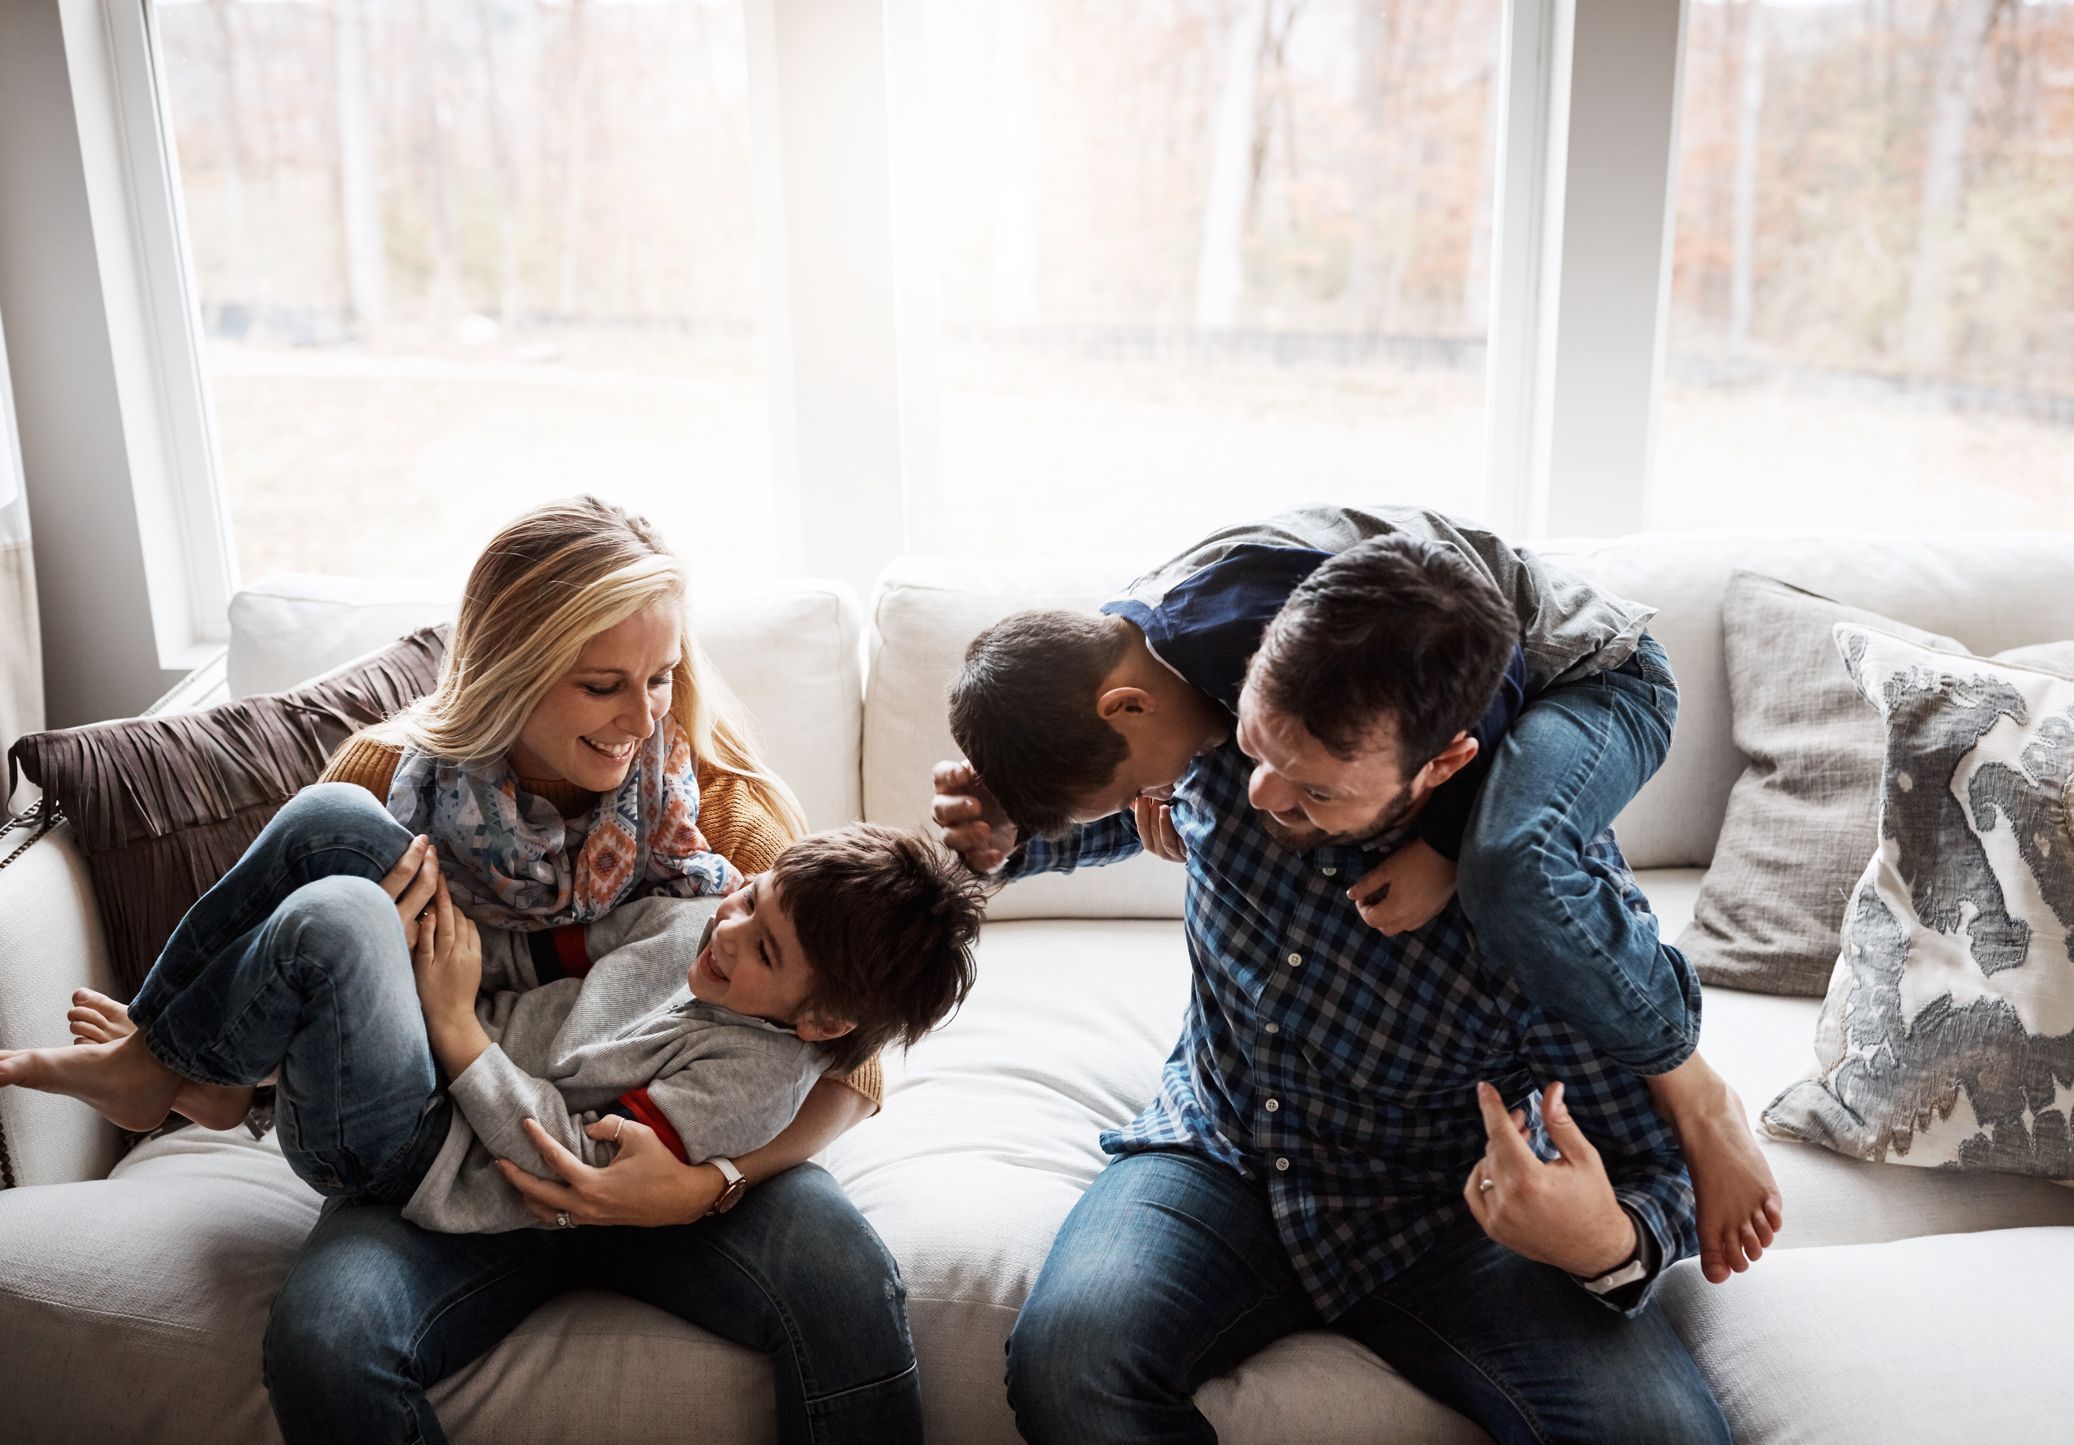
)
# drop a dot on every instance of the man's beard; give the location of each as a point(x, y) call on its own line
point(1304, 839)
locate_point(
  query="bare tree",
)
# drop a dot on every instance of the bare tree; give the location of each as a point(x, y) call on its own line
point(1220, 278)
point(576, 164)
point(1926, 337)
point(502, 167)
point(238, 257)
point(1743, 230)
point(362, 260)
point(446, 296)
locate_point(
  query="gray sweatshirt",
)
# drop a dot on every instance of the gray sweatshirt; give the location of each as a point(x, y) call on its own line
point(564, 1052)
point(1568, 628)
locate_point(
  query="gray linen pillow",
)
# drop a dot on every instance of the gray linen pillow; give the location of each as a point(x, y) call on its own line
point(1803, 817)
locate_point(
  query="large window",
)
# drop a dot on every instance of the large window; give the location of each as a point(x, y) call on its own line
point(458, 256)
point(1204, 258)
point(1872, 317)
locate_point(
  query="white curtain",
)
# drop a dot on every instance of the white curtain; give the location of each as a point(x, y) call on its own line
point(21, 644)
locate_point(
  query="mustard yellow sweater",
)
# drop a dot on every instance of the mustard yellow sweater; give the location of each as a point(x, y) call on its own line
point(730, 818)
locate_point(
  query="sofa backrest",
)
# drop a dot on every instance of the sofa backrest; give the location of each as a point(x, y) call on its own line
point(792, 651)
point(1990, 591)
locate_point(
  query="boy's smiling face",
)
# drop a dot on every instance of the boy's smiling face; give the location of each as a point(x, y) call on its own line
point(750, 961)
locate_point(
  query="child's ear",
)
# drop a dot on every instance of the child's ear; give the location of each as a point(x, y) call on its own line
point(817, 1030)
point(1123, 701)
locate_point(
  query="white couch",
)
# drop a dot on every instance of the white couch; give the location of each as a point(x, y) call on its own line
point(1902, 1305)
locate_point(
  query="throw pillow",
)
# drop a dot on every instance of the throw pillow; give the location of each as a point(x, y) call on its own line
point(1802, 818)
point(162, 806)
point(1947, 1036)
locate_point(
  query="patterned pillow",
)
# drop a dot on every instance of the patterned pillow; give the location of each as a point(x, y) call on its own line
point(1947, 1036)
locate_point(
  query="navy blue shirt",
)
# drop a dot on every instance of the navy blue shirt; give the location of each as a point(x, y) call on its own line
point(1208, 626)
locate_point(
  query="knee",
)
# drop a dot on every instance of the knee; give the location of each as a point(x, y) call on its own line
point(338, 925)
point(331, 810)
point(1067, 1358)
point(325, 1346)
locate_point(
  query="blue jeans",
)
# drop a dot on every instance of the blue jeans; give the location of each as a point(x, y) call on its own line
point(1558, 921)
point(296, 960)
point(1169, 1272)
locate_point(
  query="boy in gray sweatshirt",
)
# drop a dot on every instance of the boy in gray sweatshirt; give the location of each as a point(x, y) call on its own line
point(405, 1073)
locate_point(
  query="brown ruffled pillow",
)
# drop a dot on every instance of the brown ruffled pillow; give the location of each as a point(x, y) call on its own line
point(162, 806)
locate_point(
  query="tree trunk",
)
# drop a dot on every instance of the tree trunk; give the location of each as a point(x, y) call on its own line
point(1220, 277)
point(445, 286)
point(1013, 301)
point(362, 259)
point(576, 164)
point(1749, 117)
point(1476, 275)
point(1926, 337)
point(238, 263)
point(503, 168)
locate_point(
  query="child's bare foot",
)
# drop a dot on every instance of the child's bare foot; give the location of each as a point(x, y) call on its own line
point(96, 1018)
point(1739, 1205)
point(213, 1106)
point(121, 1081)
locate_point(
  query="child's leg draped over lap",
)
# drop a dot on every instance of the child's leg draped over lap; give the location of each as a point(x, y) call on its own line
point(294, 961)
point(1557, 914)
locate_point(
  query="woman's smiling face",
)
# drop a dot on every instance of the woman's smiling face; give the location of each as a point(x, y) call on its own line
point(593, 720)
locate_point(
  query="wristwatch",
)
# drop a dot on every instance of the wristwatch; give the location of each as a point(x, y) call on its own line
point(737, 1185)
point(1634, 1267)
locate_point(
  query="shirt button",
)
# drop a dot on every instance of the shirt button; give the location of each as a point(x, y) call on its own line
point(1295, 960)
point(1330, 872)
point(1282, 1166)
point(1271, 1028)
point(1271, 1105)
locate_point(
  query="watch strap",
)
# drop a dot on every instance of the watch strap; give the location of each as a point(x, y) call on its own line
point(737, 1184)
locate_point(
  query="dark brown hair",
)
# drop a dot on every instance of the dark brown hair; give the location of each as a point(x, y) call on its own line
point(1393, 632)
point(1023, 713)
point(887, 921)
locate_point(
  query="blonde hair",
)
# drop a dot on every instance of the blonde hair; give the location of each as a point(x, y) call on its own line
point(553, 579)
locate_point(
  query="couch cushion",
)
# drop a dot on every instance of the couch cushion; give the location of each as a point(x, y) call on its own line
point(1990, 591)
point(791, 652)
point(925, 613)
point(169, 1266)
point(1956, 1337)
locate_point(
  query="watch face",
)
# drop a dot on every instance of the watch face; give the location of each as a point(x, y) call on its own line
point(736, 1188)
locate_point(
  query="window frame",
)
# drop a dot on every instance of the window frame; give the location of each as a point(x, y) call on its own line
point(1580, 278)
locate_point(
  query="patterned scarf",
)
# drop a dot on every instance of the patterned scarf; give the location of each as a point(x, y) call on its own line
point(513, 861)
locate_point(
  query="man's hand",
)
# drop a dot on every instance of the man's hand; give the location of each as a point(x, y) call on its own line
point(968, 820)
point(1155, 819)
point(1561, 1212)
point(1407, 891)
point(447, 962)
point(644, 1185)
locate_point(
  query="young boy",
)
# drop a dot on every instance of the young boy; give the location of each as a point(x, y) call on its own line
point(1067, 718)
point(707, 1019)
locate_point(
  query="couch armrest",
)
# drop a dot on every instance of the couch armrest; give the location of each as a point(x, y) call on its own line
point(50, 944)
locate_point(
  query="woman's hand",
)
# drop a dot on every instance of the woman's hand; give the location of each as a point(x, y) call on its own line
point(413, 883)
point(644, 1185)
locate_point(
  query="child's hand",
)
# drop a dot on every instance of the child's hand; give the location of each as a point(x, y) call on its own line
point(1407, 892)
point(447, 960)
point(1155, 819)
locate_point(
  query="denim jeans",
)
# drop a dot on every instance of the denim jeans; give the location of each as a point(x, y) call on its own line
point(1560, 922)
point(296, 960)
point(1169, 1272)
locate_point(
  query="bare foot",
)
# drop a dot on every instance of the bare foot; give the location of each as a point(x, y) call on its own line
point(96, 1018)
point(1740, 1210)
point(213, 1106)
point(122, 1082)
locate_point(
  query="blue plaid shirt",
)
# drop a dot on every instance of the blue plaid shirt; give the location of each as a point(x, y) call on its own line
point(1340, 1066)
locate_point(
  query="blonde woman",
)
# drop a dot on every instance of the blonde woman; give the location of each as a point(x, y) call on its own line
point(577, 752)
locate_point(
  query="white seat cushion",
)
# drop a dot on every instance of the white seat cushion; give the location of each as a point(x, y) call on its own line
point(134, 1308)
point(1953, 1337)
